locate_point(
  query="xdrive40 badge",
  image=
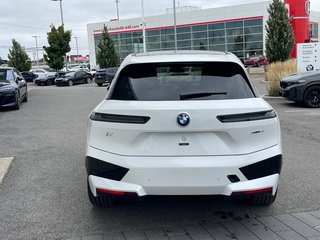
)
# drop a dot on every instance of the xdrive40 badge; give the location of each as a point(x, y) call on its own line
point(183, 119)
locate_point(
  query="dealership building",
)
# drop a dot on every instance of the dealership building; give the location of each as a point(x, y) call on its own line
point(240, 29)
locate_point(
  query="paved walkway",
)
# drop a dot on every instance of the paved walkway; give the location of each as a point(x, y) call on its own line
point(295, 226)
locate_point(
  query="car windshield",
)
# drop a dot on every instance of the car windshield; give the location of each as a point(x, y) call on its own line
point(6, 75)
point(255, 57)
point(70, 74)
point(38, 71)
point(182, 81)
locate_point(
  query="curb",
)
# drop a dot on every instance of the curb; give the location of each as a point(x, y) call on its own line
point(270, 97)
point(5, 164)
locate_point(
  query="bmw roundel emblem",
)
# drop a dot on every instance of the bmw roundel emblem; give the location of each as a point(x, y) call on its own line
point(183, 119)
point(310, 67)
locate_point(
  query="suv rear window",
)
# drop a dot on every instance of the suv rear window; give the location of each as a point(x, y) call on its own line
point(182, 81)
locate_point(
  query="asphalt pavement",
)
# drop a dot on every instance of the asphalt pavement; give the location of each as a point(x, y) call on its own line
point(44, 193)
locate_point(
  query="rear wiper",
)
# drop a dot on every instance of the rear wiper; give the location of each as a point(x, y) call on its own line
point(184, 96)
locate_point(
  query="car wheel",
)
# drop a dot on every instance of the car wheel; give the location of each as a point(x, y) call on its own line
point(88, 80)
point(50, 82)
point(70, 83)
point(259, 64)
point(263, 199)
point(17, 106)
point(99, 202)
point(25, 98)
point(312, 97)
point(99, 84)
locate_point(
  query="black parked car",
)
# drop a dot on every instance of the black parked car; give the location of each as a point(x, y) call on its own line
point(48, 79)
point(302, 88)
point(29, 76)
point(72, 78)
point(13, 88)
point(105, 75)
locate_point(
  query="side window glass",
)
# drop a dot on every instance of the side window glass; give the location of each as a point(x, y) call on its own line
point(10, 75)
point(16, 73)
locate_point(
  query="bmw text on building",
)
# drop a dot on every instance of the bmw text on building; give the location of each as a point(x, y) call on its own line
point(239, 29)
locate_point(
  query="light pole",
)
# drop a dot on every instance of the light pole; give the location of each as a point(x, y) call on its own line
point(117, 2)
point(77, 48)
point(143, 28)
point(62, 23)
point(61, 12)
point(175, 25)
point(36, 38)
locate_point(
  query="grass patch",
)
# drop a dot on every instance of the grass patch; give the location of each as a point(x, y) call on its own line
point(276, 71)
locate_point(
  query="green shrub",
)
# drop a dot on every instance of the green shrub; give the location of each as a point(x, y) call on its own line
point(276, 71)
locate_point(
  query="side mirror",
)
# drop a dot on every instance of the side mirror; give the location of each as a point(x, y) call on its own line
point(19, 79)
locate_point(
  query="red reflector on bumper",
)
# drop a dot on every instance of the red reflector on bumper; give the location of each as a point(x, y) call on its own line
point(254, 191)
point(110, 191)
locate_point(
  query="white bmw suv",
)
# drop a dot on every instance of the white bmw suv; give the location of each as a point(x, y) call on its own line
point(183, 123)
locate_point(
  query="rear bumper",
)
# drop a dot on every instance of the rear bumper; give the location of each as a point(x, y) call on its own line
point(61, 83)
point(103, 80)
point(203, 175)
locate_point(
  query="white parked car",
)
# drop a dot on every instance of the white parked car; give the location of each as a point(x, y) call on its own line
point(184, 123)
point(39, 72)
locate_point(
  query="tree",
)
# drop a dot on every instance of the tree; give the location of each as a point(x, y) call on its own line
point(59, 45)
point(280, 38)
point(106, 51)
point(18, 58)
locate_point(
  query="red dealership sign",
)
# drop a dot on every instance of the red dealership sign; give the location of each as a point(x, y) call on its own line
point(119, 29)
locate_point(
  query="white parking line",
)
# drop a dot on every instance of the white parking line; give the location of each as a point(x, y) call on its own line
point(4, 166)
point(303, 112)
point(296, 111)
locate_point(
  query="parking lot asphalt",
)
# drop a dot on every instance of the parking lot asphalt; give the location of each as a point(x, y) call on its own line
point(43, 196)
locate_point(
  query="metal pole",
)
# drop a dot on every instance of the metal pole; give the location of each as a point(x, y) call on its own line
point(77, 48)
point(143, 28)
point(36, 37)
point(175, 26)
point(117, 2)
point(61, 12)
point(62, 23)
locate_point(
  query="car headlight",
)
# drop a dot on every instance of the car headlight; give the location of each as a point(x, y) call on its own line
point(7, 88)
point(296, 82)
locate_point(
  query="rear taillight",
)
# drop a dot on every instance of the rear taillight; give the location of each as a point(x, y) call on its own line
point(244, 117)
point(116, 118)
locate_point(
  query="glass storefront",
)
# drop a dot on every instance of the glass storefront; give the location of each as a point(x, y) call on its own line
point(314, 31)
point(243, 38)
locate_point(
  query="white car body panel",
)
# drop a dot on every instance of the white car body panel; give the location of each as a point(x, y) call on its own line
point(205, 134)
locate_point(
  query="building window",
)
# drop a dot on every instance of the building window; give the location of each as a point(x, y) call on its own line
point(314, 33)
point(243, 38)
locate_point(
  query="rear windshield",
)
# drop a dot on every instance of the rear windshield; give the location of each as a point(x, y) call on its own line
point(182, 81)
